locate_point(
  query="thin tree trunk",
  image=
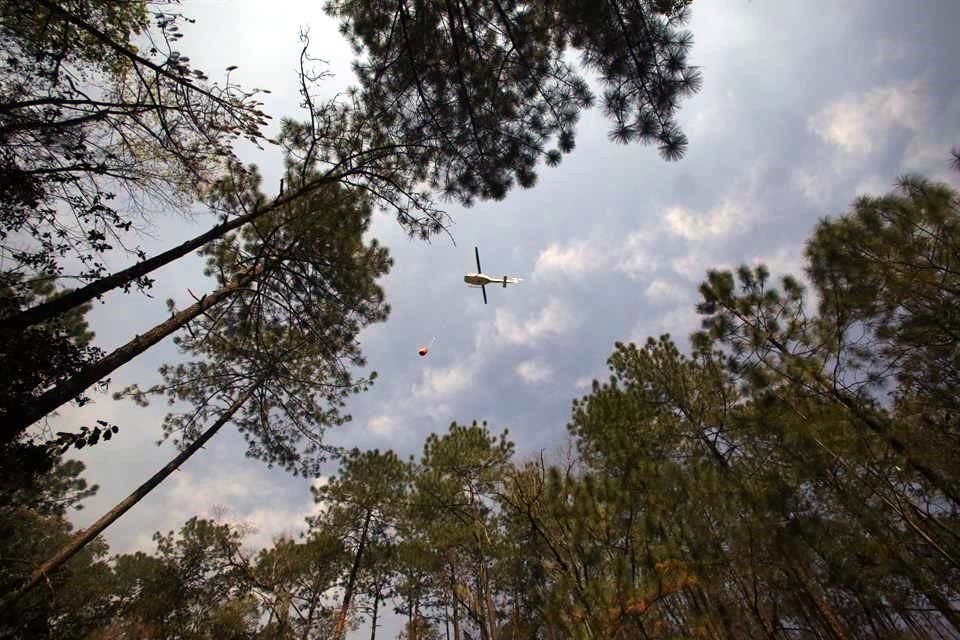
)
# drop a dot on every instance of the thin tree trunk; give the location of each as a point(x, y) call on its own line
point(488, 600)
point(351, 581)
point(373, 618)
point(83, 537)
point(825, 611)
point(314, 598)
point(828, 388)
point(69, 389)
point(455, 604)
point(61, 304)
point(446, 622)
point(411, 632)
point(309, 623)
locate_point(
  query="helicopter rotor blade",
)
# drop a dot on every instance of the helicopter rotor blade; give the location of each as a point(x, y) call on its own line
point(476, 252)
point(484, 290)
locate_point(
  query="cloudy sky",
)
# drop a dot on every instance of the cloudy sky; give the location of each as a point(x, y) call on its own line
point(804, 106)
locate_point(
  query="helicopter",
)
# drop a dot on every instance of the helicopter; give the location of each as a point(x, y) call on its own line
point(480, 279)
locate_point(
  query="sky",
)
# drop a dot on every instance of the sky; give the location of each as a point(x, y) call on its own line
point(804, 107)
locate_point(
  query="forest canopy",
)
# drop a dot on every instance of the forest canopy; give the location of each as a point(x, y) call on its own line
point(789, 472)
point(789, 476)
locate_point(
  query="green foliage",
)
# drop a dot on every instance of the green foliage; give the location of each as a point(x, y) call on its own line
point(290, 336)
point(296, 579)
point(75, 600)
point(362, 507)
point(193, 587)
point(86, 116)
point(45, 33)
point(891, 271)
point(426, 78)
point(44, 354)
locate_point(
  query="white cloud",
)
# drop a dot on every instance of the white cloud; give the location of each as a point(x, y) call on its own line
point(889, 51)
point(583, 383)
point(223, 498)
point(855, 123)
point(786, 260)
point(555, 318)
point(439, 412)
point(694, 265)
point(873, 186)
point(191, 495)
point(571, 260)
point(662, 291)
point(818, 189)
point(637, 255)
point(381, 425)
point(442, 382)
point(679, 322)
point(703, 116)
point(267, 524)
point(533, 371)
point(719, 221)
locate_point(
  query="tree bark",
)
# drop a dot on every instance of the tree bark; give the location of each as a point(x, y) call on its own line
point(65, 391)
point(455, 604)
point(828, 388)
point(83, 537)
point(373, 617)
point(65, 302)
point(351, 580)
point(824, 610)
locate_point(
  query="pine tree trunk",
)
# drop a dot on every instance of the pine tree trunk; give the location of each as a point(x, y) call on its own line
point(83, 537)
point(488, 601)
point(69, 389)
point(373, 618)
point(63, 303)
point(314, 598)
point(49, 310)
point(455, 604)
point(351, 581)
point(825, 611)
point(828, 388)
point(411, 631)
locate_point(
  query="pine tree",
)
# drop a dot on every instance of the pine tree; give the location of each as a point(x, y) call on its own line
point(33, 523)
point(193, 587)
point(291, 274)
point(277, 359)
point(890, 269)
point(442, 121)
point(87, 116)
point(293, 580)
point(428, 76)
point(453, 515)
point(362, 506)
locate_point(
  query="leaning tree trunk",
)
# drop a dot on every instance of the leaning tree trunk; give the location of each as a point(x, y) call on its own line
point(827, 388)
point(71, 299)
point(824, 609)
point(351, 580)
point(65, 391)
point(83, 537)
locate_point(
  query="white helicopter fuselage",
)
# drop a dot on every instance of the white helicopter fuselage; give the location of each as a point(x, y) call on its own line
point(481, 279)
